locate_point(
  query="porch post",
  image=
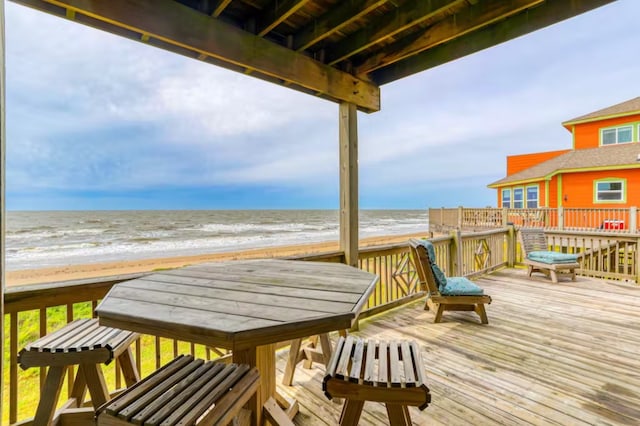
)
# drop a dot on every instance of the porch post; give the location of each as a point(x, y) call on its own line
point(349, 182)
point(2, 193)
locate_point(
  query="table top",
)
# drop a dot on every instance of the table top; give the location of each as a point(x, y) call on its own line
point(240, 304)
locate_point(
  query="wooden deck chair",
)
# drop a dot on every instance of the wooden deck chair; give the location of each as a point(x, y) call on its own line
point(538, 258)
point(446, 294)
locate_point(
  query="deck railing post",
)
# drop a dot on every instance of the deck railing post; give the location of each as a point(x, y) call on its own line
point(636, 265)
point(505, 216)
point(633, 219)
point(455, 253)
point(560, 218)
point(460, 219)
point(512, 246)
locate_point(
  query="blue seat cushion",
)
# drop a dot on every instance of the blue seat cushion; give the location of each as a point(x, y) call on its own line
point(552, 257)
point(461, 286)
point(441, 278)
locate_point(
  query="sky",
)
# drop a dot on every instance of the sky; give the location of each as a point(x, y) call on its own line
point(96, 121)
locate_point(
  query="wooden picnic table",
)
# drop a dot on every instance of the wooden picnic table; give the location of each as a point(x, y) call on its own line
point(245, 306)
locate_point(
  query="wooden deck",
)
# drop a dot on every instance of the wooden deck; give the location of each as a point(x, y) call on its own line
point(566, 354)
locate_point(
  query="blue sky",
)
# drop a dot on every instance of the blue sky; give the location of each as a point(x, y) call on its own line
point(95, 121)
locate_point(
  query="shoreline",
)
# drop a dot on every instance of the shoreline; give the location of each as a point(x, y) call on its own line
point(95, 270)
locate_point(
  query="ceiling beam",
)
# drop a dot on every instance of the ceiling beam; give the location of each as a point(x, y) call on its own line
point(466, 21)
point(276, 13)
point(411, 13)
point(175, 24)
point(220, 6)
point(548, 13)
point(334, 20)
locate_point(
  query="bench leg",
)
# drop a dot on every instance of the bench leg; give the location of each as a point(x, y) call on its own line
point(398, 415)
point(128, 367)
point(554, 276)
point(49, 396)
point(79, 389)
point(439, 312)
point(482, 313)
point(530, 270)
point(96, 384)
point(313, 344)
point(351, 411)
point(292, 361)
point(573, 274)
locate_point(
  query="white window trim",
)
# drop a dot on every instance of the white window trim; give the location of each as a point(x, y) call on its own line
point(513, 202)
point(508, 190)
point(537, 200)
point(617, 129)
point(623, 191)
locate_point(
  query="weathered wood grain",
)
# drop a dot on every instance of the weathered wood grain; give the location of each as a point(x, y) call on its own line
point(553, 354)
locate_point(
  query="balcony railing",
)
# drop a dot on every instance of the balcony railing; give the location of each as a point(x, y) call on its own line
point(618, 220)
point(32, 311)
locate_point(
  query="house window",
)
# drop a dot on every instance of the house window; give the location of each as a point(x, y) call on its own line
point(532, 197)
point(518, 198)
point(506, 198)
point(616, 135)
point(610, 191)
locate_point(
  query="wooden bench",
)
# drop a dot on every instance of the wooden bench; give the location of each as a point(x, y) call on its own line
point(535, 240)
point(387, 372)
point(84, 343)
point(186, 391)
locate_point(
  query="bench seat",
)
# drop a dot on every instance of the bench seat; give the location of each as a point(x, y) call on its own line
point(186, 391)
point(387, 372)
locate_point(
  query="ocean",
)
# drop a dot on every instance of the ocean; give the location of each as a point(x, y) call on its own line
point(56, 238)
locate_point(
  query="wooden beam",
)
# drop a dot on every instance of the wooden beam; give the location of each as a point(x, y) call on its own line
point(220, 7)
point(276, 13)
point(542, 16)
point(334, 20)
point(3, 193)
point(349, 183)
point(468, 20)
point(198, 34)
point(406, 16)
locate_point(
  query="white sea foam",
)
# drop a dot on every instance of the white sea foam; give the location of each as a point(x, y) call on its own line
point(41, 239)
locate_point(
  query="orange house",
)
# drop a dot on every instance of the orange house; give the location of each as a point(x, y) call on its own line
point(601, 170)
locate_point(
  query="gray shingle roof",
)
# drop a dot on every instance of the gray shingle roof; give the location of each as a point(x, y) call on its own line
point(605, 156)
point(632, 106)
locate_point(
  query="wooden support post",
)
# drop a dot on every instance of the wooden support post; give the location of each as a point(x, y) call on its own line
point(460, 220)
point(505, 216)
point(512, 246)
point(2, 193)
point(349, 183)
point(560, 218)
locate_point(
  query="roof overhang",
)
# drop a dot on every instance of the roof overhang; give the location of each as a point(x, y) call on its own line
point(569, 124)
point(549, 176)
point(337, 50)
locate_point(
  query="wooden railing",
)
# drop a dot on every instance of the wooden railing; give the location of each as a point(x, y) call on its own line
point(618, 220)
point(32, 311)
point(610, 256)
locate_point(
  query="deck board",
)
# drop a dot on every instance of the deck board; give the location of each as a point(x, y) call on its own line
point(561, 354)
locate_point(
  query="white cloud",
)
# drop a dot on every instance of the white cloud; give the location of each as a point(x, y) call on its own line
point(89, 110)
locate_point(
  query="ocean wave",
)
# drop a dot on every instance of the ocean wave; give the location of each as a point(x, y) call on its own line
point(60, 240)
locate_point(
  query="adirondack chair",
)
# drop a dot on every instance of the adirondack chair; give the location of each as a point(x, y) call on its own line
point(446, 294)
point(538, 258)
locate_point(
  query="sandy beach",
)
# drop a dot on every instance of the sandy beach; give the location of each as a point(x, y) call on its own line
point(75, 272)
